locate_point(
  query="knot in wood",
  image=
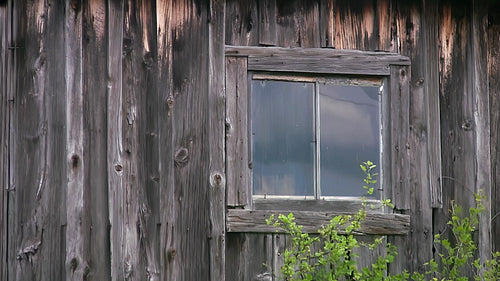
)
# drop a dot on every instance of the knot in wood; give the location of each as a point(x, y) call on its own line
point(148, 60)
point(467, 125)
point(118, 167)
point(181, 157)
point(74, 264)
point(216, 179)
point(74, 160)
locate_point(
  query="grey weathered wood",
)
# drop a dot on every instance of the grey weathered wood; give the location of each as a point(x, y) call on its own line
point(327, 23)
point(169, 243)
point(190, 138)
point(4, 135)
point(237, 148)
point(140, 144)
point(335, 205)
point(494, 90)
point(417, 189)
point(399, 111)
point(457, 112)
point(255, 221)
point(267, 22)
point(37, 169)
point(431, 84)
point(217, 113)
point(242, 22)
point(76, 259)
point(362, 25)
point(481, 111)
point(318, 60)
point(115, 120)
point(298, 24)
point(95, 81)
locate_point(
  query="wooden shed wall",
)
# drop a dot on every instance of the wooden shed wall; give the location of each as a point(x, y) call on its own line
point(112, 127)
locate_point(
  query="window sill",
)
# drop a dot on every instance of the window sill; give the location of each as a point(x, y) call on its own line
point(238, 220)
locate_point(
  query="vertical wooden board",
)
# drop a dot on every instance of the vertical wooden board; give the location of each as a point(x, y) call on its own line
point(494, 91)
point(190, 137)
point(298, 24)
point(366, 256)
point(249, 257)
point(242, 22)
point(141, 68)
point(4, 135)
point(238, 170)
point(481, 107)
point(280, 243)
point(267, 22)
point(115, 144)
point(357, 25)
point(169, 241)
point(52, 183)
point(136, 201)
point(413, 29)
point(216, 119)
point(399, 111)
point(327, 23)
point(76, 257)
point(95, 142)
point(38, 171)
point(431, 83)
point(457, 117)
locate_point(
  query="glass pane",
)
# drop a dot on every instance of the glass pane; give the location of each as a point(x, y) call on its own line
point(349, 135)
point(283, 137)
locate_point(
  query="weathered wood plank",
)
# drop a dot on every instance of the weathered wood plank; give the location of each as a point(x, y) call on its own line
point(327, 23)
point(411, 22)
point(481, 113)
point(76, 257)
point(400, 119)
point(139, 132)
point(4, 134)
point(298, 24)
point(190, 138)
point(95, 82)
point(430, 34)
point(237, 147)
point(169, 241)
point(267, 22)
point(494, 90)
point(38, 167)
point(457, 112)
point(116, 182)
point(216, 117)
point(255, 221)
point(348, 58)
point(250, 257)
point(242, 21)
point(340, 205)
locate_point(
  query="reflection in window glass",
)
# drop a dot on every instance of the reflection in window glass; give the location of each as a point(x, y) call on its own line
point(283, 134)
point(349, 135)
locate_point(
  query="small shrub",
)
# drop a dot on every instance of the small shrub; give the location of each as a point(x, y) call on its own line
point(335, 258)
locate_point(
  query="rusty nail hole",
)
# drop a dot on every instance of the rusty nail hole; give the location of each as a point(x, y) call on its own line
point(118, 167)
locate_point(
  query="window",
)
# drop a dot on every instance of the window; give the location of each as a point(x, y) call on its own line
point(309, 135)
point(298, 124)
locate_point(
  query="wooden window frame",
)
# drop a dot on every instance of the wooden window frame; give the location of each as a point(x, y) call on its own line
point(248, 214)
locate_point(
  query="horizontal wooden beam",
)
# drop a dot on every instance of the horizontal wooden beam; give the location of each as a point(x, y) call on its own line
point(317, 60)
point(238, 220)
